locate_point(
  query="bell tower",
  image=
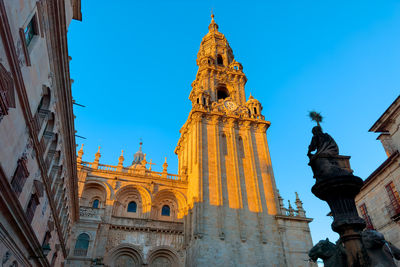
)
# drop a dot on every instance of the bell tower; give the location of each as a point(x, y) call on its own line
point(223, 152)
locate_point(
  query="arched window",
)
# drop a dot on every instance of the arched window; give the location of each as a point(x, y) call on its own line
point(222, 93)
point(220, 61)
point(82, 244)
point(95, 204)
point(255, 111)
point(166, 211)
point(132, 206)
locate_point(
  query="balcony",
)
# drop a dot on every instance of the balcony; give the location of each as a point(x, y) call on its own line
point(105, 168)
point(88, 213)
point(80, 252)
point(147, 225)
point(393, 211)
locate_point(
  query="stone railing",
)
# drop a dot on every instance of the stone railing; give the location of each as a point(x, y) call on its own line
point(138, 224)
point(132, 171)
point(91, 213)
point(80, 252)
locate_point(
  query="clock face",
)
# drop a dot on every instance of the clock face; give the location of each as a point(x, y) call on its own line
point(230, 105)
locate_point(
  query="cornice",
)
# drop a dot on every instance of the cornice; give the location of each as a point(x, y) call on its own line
point(387, 117)
point(58, 43)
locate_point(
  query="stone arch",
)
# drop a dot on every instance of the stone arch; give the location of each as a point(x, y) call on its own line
point(163, 256)
point(94, 190)
point(174, 199)
point(124, 255)
point(130, 193)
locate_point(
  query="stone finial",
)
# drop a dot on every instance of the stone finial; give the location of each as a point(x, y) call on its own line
point(281, 205)
point(120, 161)
point(96, 159)
point(97, 155)
point(121, 158)
point(165, 165)
point(291, 210)
point(80, 154)
point(213, 26)
point(144, 161)
point(299, 206)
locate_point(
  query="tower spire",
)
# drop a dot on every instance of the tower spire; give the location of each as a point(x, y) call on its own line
point(213, 27)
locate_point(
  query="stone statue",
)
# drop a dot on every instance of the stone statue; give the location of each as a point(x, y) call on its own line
point(323, 143)
point(326, 161)
point(381, 253)
point(332, 255)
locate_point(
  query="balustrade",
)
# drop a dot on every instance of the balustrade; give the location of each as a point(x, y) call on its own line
point(132, 171)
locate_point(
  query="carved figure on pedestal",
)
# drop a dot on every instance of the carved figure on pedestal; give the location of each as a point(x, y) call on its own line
point(323, 143)
point(326, 161)
point(380, 252)
point(332, 255)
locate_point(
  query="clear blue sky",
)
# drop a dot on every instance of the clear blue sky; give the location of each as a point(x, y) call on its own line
point(133, 63)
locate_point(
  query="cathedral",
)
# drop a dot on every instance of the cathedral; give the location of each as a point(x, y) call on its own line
point(221, 209)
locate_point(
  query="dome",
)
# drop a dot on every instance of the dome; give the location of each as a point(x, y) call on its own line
point(138, 156)
point(252, 100)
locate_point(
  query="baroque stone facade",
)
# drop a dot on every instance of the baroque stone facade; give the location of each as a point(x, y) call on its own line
point(223, 207)
point(38, 200)
point(378, 201)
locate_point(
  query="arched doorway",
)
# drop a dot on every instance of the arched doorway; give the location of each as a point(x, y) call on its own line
point(163, 257)
point(126, 260)
point(124, 255)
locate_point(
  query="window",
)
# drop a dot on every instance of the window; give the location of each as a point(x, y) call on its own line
point(222, 93)
point(81, 245)
point(132, 206)
point(220, 61)
point(165, 211)
point(364, 214)
point(95, 204)
point(394, 199)
point(32, 205)
point(30, 31)
point(6, 91)
point(255, 110)
point(46, 238)
point(53, 259)
point(20, 176)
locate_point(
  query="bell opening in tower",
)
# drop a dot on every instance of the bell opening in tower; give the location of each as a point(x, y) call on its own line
point(220, 61)
point(222, 93)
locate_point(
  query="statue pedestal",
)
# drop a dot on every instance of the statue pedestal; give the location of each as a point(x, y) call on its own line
point(339, 192)
point(328, 166)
